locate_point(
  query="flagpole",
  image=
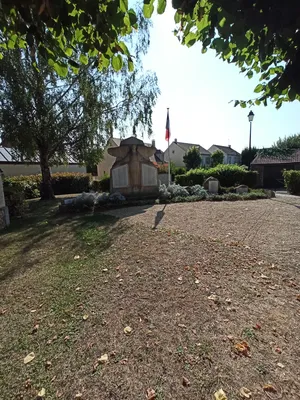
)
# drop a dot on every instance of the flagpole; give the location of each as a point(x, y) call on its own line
point(169, 164)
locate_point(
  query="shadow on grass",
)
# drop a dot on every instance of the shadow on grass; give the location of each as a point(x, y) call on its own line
point(43, 229)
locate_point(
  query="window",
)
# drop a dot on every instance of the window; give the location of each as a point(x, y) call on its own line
point(207, 160)
point(173, 151)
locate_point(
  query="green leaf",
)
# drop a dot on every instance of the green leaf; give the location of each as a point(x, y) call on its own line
point(222, 22)
point(148, 10)
point(257, 102)
point(69, 52)
point(61, 69)
point(177, 17)
point(236, 103)
point(124, 5)
point(250, 74)
point(117, 62)
point(190, 39)
point(258, 88)
point(161, 6)
point(130, 65)
point(243, 104)
point(83, 59)
point(292, 94)
point(132, 17)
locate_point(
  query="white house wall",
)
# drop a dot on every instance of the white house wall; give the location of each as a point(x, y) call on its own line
point(177, 153)
point(32, 169)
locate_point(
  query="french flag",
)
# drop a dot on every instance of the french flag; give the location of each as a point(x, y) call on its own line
point(168, 131)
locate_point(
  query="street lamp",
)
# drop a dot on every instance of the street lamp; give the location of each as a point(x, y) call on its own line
point(250, 118)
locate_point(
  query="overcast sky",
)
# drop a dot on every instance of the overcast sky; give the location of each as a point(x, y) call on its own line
point(198, 88)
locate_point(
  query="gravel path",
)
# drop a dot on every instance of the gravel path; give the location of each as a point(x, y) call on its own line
point(269, 226)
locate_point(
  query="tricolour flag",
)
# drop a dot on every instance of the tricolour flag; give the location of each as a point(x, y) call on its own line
point(168, 131)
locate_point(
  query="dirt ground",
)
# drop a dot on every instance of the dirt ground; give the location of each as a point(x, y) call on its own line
point(210, 299)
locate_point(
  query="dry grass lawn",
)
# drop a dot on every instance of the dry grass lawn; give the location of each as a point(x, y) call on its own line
point(71, 284)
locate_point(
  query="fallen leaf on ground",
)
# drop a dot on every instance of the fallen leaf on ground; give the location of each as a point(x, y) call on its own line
point(278, 350)
point(179, 278)
point(41, 393)
point(103, 359)
point(269, 388)
point(35, 328)
point(220, 395)
point(182, 326)
point(185, 381)
point(197, 281)
point(256, 326)
point(85, 317)
point(242, 348)
point(29, 358)
point(213, 297)
point(78, 395)
point(127, 330)
point(245, 393)
point(76, 257)
point(298, 297)
point(104, 270)
point(48, 364)
point(151, 395)
point(280, 365)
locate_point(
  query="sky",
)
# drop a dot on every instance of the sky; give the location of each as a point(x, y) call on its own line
point(198, 88)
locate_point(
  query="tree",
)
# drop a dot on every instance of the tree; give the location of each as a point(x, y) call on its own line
point(192, 158)
point(217, 158)
point(247, 156)
point(70, 33)
point(259, 36)
point(288, 142)
point(51, 119)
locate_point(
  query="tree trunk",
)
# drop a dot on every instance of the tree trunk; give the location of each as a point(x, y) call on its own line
point(46, 187)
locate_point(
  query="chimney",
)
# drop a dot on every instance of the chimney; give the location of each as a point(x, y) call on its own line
point(229, 146)
point(153, 143)
point(175, 141)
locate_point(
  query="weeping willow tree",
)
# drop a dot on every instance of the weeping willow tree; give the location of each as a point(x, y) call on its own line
point(51, 118)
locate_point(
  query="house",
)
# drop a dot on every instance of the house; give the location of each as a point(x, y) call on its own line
point(270, 169)
point(103, 168)
point(230, 156)
point(14, 165)
point(178, 149)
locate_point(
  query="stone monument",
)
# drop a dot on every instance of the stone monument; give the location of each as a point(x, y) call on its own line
point(242, 189)
point(133, 174)
point(4, 215)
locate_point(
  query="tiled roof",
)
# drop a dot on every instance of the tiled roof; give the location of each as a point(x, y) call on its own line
point(294, 158)
point(227, 150)
point(186, 146)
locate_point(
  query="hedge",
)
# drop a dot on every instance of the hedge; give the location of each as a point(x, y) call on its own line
point(62, 183)
point(103, 185)
point(292, 181)
point(228, 175)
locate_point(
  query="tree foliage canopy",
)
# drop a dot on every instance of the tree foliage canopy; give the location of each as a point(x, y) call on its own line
point(259, 36)
point(192, 158)
point(217, 158)
point(70, 33)
point(51, 119)
point(247, 156)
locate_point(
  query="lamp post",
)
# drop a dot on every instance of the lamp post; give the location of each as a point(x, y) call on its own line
point(250, 118)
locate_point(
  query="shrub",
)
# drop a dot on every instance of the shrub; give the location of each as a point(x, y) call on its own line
point(116, 198)
point(15, 199)
point(217, 158)
point(292, 181)
point(192, 158)
point(62, 183)
point(198, 191)
point(177, 190)
point(85, 200)
point(67, 182)
point(29, 184)
point(102, 185)
point(228, 175)
point(163, 192)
